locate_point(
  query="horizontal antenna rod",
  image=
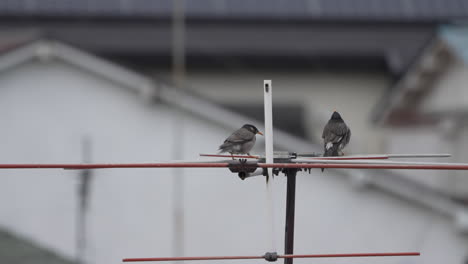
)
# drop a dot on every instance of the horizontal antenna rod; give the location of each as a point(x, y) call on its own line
point(372, 162)
point(376, 156)
point(350, 157)
point(115, 165)
point(431, 166)
point(348, 255)
point(443, 155)
point(230, 156)
point(405, 166)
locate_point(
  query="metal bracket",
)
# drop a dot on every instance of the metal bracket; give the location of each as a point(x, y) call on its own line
point(242, 167)
point(271, 256)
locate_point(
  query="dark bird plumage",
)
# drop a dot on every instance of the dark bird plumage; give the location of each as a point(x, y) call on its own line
point(336, 135)
point(241, 141)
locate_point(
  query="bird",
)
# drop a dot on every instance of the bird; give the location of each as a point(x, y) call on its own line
point(336, 135)
point(240, 141)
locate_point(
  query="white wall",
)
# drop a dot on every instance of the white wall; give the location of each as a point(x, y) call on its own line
point(46, 108)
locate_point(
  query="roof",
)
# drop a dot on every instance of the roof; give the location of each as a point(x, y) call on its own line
point(16, 250)
point(192, 103)
point(373, 47)
point(411, 10)
point(369, 35)
point(399, 106)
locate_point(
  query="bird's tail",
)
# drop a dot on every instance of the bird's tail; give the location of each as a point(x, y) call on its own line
point(224, 147)
point(331, 152)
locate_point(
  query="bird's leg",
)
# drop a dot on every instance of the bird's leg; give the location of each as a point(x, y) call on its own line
point(232, 156)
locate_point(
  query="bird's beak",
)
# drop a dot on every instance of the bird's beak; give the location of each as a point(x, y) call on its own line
point(260, 133)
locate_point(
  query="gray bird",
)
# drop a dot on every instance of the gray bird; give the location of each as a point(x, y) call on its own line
point(336, 135)
point(241, 141)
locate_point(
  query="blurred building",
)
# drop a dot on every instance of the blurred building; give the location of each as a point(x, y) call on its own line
point(425, 109)
point(385, 65)
point(311, 48)
point(54, 95)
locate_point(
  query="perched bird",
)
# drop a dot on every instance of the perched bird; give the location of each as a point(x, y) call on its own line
point(336, 135)
point(241, 141)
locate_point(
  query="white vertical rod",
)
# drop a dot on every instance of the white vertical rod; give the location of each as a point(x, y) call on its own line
point(267, 89)
point(268, 123)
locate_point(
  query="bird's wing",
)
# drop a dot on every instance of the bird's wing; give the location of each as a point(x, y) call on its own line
point(347, 137)
point(334, 132)
point(240, 135)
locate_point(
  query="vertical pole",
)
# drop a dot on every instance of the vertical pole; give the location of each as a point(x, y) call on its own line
point(178, 75)
point(290, 211)
point(268, 103)
point(83, 200)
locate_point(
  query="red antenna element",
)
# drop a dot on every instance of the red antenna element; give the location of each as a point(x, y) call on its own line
point(235, 164)
point(114, 165)
point(357, 255)
point(349, 158)
point(353, 255)
point(191, 258)
point(396, 166)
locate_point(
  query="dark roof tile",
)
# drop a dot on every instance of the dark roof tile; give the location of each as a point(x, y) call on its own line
point(302, 9)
